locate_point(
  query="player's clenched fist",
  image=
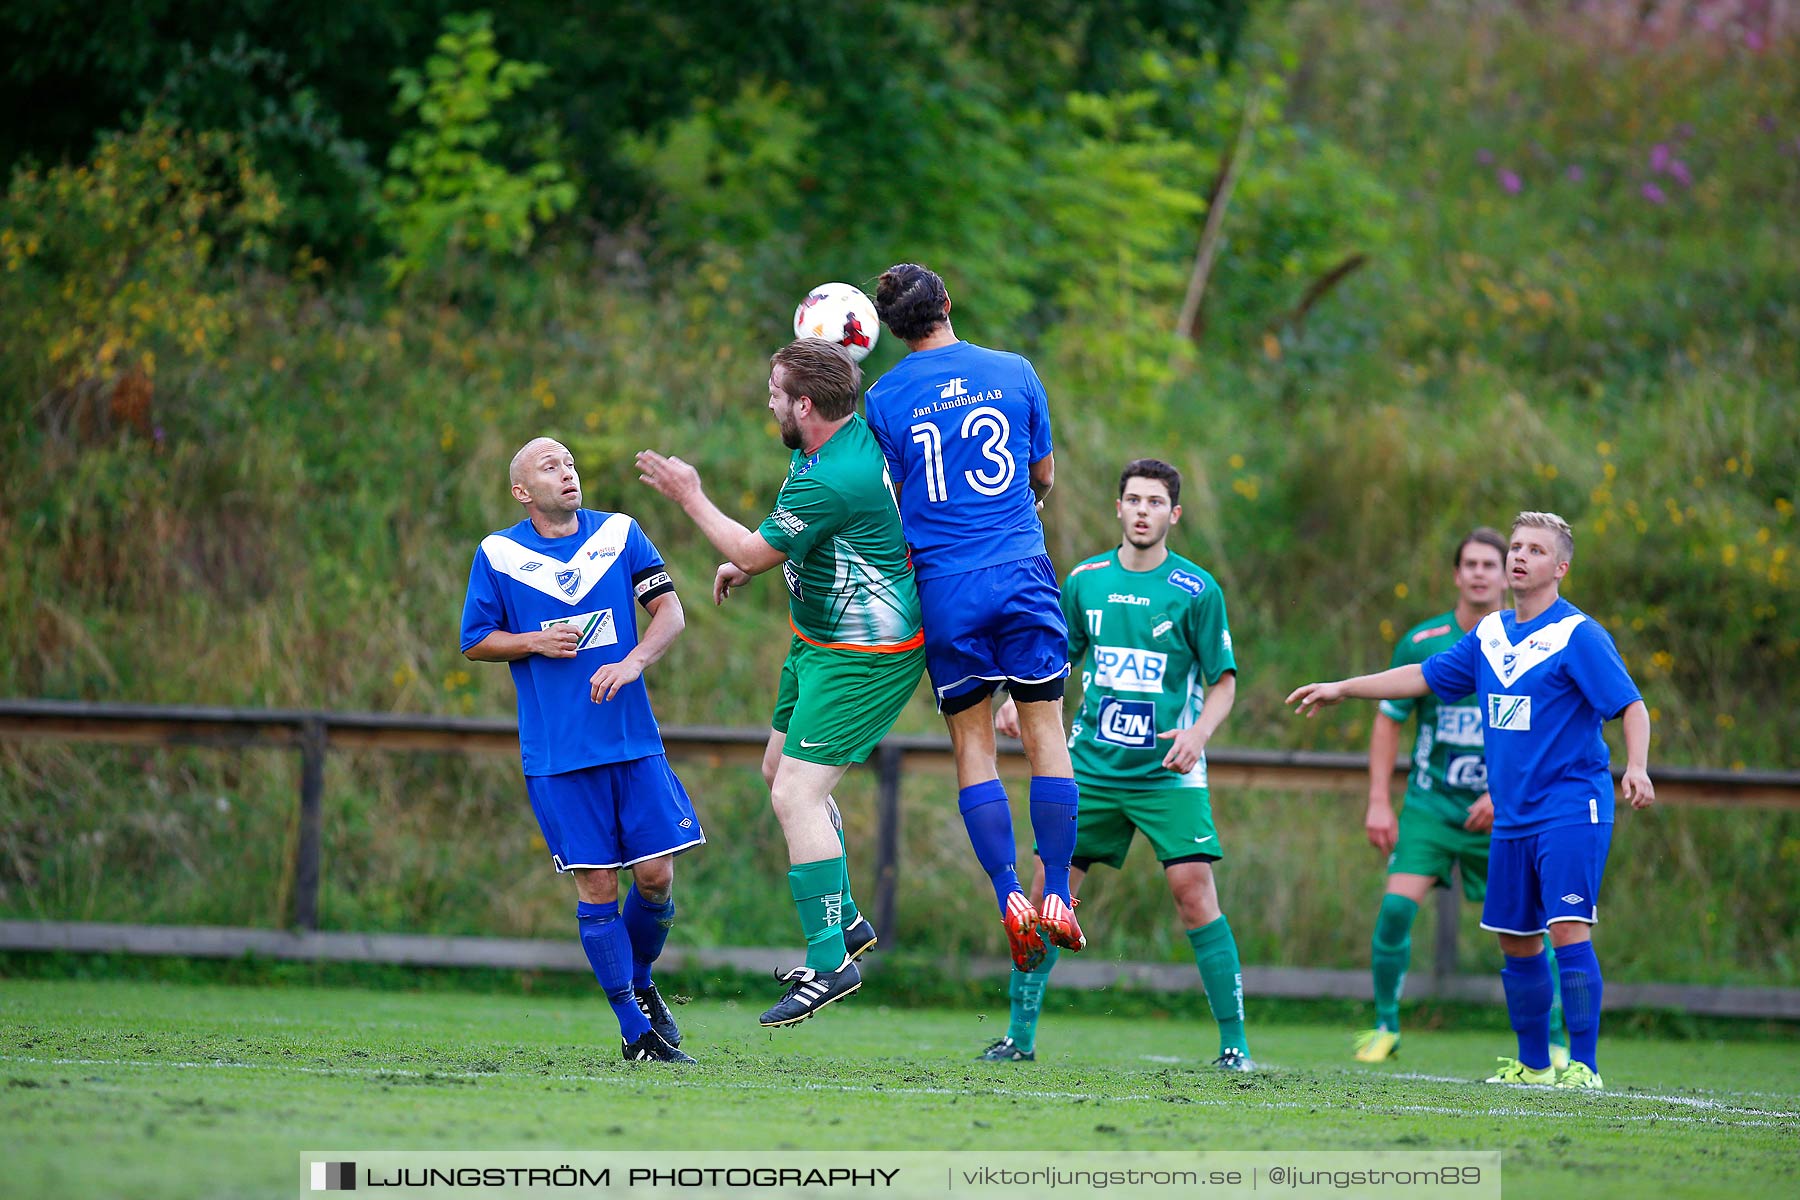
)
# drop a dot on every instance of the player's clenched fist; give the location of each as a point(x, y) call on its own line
point(558, 641)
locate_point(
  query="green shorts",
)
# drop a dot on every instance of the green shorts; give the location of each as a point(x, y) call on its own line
point(1176, 821)
point(835, 705)
point(1429, 846)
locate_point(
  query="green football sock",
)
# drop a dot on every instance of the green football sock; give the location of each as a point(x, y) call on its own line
point(849, 904)
point(1389, 955)
point(818, 889)
point(1216, 954)
point(1026, 988)
point(1559, 1030)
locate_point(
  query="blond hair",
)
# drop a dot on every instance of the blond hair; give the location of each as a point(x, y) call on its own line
point(1565, 537)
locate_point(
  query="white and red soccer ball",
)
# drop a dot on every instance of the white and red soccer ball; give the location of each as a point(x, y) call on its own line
point(839, 312)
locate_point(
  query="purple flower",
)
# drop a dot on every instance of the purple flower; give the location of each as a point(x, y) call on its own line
point(1753, 41)
point(1767, 122)
point(1652, 193)
point(1684, 130)
point(1678, 171)
point(1509, 181)
point(157, 434)
point(1659, 157)
point(1484, 156)
point(1575, 174)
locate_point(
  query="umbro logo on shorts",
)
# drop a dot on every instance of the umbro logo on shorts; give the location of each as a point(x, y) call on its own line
point(1571, 898)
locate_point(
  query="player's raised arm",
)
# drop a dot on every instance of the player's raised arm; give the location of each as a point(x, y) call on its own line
point(680, 482)
point(1395, 683)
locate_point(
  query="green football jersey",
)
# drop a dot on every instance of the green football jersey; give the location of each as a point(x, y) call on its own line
point(1148, 644)
point(850, 580)
point(1449, 769)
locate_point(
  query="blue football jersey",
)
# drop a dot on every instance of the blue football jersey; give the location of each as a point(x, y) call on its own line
point(1545, 687)
point(522, 582)
point(960, 427)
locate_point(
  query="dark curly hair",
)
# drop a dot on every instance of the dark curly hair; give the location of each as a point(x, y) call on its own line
point(910, 300)
point(1152, 468)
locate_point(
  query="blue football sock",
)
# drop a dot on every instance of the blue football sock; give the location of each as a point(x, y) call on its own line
point(608, 949)
point(647, 925)
point(1053, 805)
point(988, 819)
point(1581, 989)
point(1527, 984)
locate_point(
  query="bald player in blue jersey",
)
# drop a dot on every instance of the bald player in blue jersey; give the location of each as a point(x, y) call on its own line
point(966, 434)
point(1547, 677)
point(553, 597)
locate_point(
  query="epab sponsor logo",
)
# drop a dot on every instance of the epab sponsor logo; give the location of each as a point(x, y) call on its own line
point(1459, 724)
point(1128, 669)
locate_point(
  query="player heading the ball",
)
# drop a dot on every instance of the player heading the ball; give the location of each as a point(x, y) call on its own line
point(856, 654)
point(966, 434)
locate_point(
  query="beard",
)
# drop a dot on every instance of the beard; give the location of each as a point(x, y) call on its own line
point(790, 436)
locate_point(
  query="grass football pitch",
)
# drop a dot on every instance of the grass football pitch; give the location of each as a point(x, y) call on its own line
point(190, 1090)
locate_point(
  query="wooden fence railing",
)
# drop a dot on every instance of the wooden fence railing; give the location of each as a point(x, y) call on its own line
point(315, 734)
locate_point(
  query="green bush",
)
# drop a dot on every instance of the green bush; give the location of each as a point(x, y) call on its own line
point(444, 195)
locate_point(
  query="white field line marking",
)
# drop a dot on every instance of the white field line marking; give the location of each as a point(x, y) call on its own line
point(1723, 1111)
point(1654, 1097)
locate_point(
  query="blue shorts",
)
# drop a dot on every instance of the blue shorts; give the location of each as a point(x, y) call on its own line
point(1535, 881)
point(992, 625)
point(615, 814)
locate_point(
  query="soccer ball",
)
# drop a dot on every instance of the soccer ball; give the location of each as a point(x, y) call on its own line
point(839, 312)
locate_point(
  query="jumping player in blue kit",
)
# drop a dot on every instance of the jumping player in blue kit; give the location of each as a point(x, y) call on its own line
point(553, 597)
point(966, 434)
point(1547, 677)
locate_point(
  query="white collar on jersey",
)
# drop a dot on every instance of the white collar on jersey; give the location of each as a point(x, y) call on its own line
point(569, 581)
point(1512, 663)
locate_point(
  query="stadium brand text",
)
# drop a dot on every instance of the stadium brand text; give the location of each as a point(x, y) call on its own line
point(1128, 598)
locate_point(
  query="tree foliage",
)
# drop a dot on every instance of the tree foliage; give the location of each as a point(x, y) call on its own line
point(444, 195)
point(105, 262)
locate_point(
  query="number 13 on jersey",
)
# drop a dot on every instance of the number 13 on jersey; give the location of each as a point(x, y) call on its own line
point(994, 475)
